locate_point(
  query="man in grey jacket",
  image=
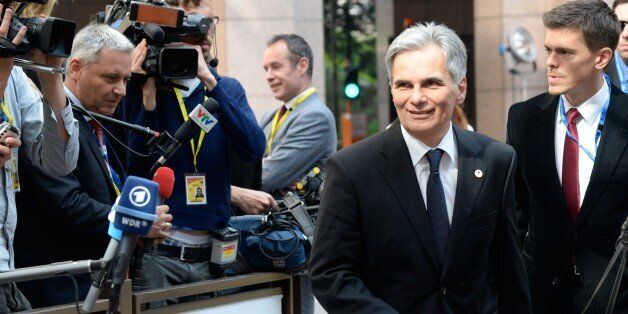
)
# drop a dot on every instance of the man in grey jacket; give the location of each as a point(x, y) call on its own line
point(49, 138)
point(299, 134)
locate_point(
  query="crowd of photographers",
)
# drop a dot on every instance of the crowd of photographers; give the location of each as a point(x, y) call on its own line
point(72, 164)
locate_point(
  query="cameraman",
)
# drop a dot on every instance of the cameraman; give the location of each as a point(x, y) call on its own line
point(48, 132)
point(204, 162)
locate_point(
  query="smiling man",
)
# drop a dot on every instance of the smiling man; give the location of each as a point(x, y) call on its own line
point(571, 144)
point(302, 131)
point(420, 217)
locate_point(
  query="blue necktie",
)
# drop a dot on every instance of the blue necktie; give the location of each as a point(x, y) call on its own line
point(436, 204)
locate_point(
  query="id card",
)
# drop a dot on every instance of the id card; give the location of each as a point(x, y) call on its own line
point(11, 167)
point(195, 189)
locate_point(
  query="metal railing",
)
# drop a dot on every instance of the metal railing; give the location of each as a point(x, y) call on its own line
point(253, 286)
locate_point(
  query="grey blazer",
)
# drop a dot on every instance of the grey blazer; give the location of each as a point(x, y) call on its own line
point(307, 136)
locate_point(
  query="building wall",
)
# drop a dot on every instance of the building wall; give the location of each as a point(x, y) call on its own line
point(245, 27)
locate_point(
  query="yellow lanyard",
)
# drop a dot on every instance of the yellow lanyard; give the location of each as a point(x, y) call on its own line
point(6, 111)
point(184, 112)
point(276, 124)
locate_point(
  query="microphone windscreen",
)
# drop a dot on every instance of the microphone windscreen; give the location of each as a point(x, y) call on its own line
point(154, 31)
point(185, 132)
point(135, 211)
point(164, 176)
point(211, 104)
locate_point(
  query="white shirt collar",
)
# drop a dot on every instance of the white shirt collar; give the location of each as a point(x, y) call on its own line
point(418, 149)
point(290, 102)
point(592, 107)
point(75, 101)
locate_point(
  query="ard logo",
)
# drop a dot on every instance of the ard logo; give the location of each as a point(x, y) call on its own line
point(139, 196)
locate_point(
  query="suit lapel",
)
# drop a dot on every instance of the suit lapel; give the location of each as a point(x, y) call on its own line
point(88, 134)
point(612, 147)
point(467, 188)
point(399, 174)
point(544, 122)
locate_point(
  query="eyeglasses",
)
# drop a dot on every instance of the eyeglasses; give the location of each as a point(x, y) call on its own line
point(623, 24)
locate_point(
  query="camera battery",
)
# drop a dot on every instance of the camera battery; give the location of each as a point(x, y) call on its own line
point(224, 246)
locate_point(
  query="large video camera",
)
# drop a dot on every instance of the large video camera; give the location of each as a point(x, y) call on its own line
point(51, 35)
point(161, 25)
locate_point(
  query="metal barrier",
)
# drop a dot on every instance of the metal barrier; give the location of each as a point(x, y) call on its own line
point(273, 284)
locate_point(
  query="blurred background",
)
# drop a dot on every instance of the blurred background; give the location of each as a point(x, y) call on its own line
point(350, 37)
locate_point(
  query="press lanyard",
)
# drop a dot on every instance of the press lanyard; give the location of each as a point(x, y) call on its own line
point(598, 133)
point(184, 112)
point(6, 111)
point(276, 124)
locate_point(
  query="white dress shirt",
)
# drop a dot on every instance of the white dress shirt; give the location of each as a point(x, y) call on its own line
point(587, 126)
point(291, 102)
point(448, 165)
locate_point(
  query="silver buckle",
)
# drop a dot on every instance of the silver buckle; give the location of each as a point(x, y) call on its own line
point(575, 270)
point(182, 254)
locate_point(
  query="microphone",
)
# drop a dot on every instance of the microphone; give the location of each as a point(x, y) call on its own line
point(154, 32)
point(135, 214)
point(132, 127)
point(164, 176)
point(200, 119)
point(214, 61)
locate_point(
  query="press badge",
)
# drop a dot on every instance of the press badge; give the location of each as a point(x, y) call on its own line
point(11, 167)
point(195, 189)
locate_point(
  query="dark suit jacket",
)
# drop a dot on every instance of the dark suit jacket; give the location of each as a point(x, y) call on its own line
point(552, 239)
point(65, 218)
point(374, 250)
point(611, 70)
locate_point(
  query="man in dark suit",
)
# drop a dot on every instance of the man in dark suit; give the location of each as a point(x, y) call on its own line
point(65, 218)
point(420, 218)
point(572, 162)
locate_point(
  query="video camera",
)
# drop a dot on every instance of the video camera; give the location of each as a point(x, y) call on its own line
point(51, 35)
point(161, 25)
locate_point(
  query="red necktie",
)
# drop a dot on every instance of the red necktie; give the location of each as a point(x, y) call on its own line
point(571, 187)
point(98, 131)
point(282, 110)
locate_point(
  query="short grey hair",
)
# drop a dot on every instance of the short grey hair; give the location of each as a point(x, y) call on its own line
point(422, 35)
point(91, 40)
point(298, 47)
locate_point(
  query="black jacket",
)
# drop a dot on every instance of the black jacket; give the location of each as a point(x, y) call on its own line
point(552, 239)
point(65, 218)
point(374, 250)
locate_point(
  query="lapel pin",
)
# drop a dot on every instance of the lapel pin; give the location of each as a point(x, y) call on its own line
point(478, 173)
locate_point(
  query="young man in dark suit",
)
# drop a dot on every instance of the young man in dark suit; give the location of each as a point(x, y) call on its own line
point(420, 217)
point(573, 166)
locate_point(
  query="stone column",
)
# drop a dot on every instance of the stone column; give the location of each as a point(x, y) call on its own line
point(245, 27)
